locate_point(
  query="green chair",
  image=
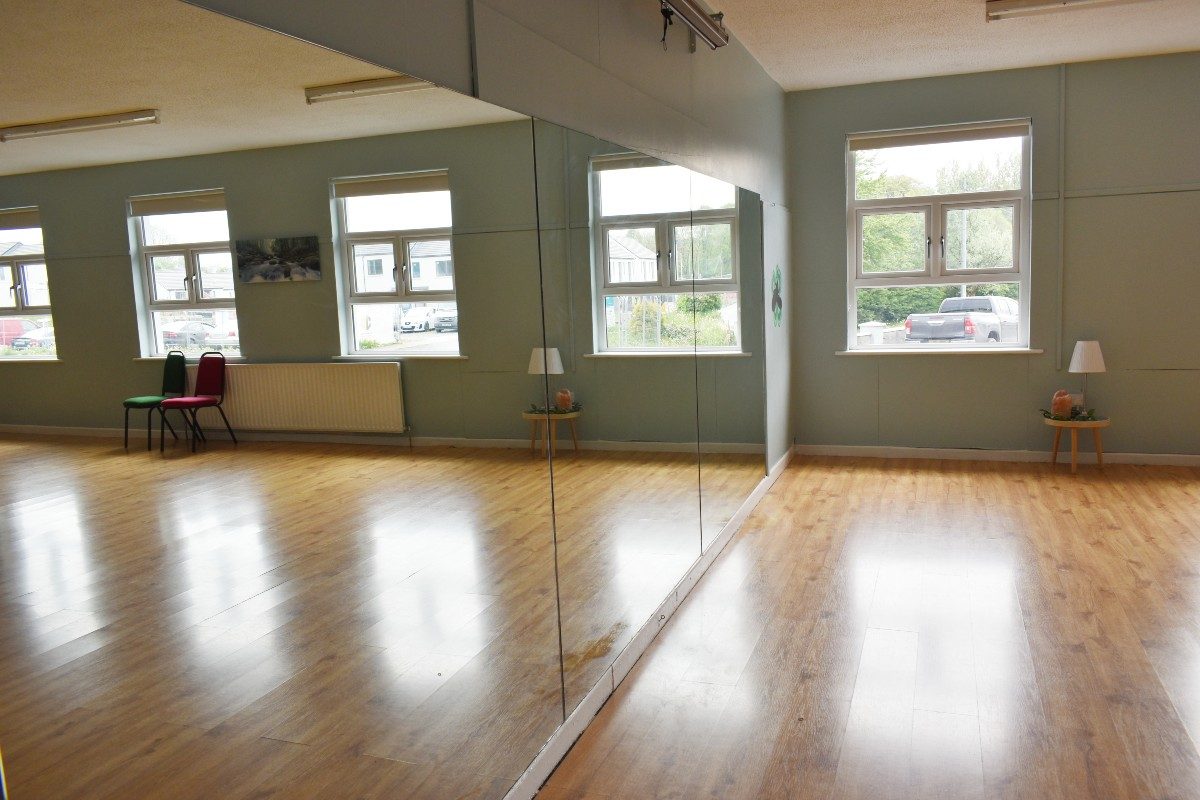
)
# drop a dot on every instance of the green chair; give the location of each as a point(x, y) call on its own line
point(174, 385)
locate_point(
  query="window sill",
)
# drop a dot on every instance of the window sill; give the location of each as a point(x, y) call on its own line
point(669, 354)
point(191, 359)
point(936, 351)
point(403, 357)
point(31, 361)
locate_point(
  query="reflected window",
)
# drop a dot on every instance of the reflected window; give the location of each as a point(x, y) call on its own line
point(26, 326)
point(187, 273)
point(666, 241)
point(939, 222)
point(396, 234)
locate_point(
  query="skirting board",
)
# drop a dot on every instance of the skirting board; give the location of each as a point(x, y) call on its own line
point(965, 454)
point(399, 440)
point(561, 741)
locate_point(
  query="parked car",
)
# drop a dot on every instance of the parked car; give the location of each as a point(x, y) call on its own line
point(189, 334)
point(12, 327)
point(446, 320)
point(416, 319)
point(38, 337)
point(972, 319)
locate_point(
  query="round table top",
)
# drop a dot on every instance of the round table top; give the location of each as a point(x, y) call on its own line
point(551, 414)
point(1077, 423)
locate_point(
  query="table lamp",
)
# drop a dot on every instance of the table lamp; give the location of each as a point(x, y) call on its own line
point(547, 361)
point(1086, 359)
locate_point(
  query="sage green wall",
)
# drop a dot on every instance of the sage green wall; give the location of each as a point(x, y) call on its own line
point(1130, 276)
point(285, 191)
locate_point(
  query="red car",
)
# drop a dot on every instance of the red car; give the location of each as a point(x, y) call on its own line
point(12, 327)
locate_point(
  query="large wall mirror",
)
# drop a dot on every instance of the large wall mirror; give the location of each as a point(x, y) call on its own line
point(578, 329)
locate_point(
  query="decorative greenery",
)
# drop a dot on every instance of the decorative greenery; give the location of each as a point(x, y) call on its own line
point(368, 344)
point(1088, 415)
point(534, 408)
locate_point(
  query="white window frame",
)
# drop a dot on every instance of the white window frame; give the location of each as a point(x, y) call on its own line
point(936, 208)
point(400, 240)
point(22, 218)
point(664, 225)
point(190, 252)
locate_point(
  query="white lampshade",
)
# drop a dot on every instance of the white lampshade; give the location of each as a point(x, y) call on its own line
point(545, 361)
point(1087, 357)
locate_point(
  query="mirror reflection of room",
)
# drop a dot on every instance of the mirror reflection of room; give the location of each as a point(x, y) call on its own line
point(643, 273)
point(376, 609)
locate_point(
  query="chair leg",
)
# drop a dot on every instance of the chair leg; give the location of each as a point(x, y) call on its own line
point(195, 431)
point(187, 425)
point(226, 421)
point(149, 433)
point(170, 427)
point(126, 427)
point(162, 420)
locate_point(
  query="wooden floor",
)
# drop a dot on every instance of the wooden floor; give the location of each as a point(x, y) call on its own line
point(319, 621)
point(892, 629)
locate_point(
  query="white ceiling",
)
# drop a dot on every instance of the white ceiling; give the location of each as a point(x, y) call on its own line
point(220, 84)
point(805, 44)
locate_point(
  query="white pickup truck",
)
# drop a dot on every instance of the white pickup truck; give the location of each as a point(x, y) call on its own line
point(966, 319)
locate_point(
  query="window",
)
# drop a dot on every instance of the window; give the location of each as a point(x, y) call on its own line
point(396, 238)
point(26, 327)
point(186, 273)
point(938, 223)
point(666, 271)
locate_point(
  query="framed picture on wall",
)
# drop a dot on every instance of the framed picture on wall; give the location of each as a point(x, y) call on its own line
point(294, 258)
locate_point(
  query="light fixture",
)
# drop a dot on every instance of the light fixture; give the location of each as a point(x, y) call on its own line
point(147, 117)
point(368, 88)
point(545, 361)
point(1007, 9)
point(709, 27)
point(1086, 359)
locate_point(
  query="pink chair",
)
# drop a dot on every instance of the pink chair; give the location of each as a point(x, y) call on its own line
point(209, 393)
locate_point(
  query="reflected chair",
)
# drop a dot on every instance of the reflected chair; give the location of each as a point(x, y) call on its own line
point(209, 393)
point(174, 384)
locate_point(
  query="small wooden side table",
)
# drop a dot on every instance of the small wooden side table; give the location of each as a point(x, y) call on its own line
point(1074, 426)
point(540, 428)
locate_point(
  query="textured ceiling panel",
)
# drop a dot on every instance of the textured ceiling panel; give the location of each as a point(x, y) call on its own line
point(220, 84)
point(805, 44)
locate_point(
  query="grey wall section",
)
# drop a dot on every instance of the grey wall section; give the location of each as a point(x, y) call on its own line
point(777, 337)
point(1131, 199)
point(430, 39)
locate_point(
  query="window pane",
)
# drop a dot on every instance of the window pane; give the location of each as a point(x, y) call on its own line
point(197, 331)
point(671, 321)
point(430, 266)
point(405, 327)
point(374, 268)
point(979, 238)
point(654, 190)
point(398, 212)
point(195, 226)
point(632, 255)
point(29, 336)
point(21, 242)
point(37, 285)
point(169, 275)
point(986, 165)
point(8, 297)
point(704, 252)
point(216, 275)
point(980, 313)
point(893, 242)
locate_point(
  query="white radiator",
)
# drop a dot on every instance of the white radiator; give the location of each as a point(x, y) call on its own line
point(333, 398)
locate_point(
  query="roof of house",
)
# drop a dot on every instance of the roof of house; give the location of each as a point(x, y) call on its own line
point(625, 247)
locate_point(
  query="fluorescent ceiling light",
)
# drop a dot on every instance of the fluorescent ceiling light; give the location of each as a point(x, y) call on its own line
point(147, 117)
point(1007, 9)
point(342, 91)
point(709, 27)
